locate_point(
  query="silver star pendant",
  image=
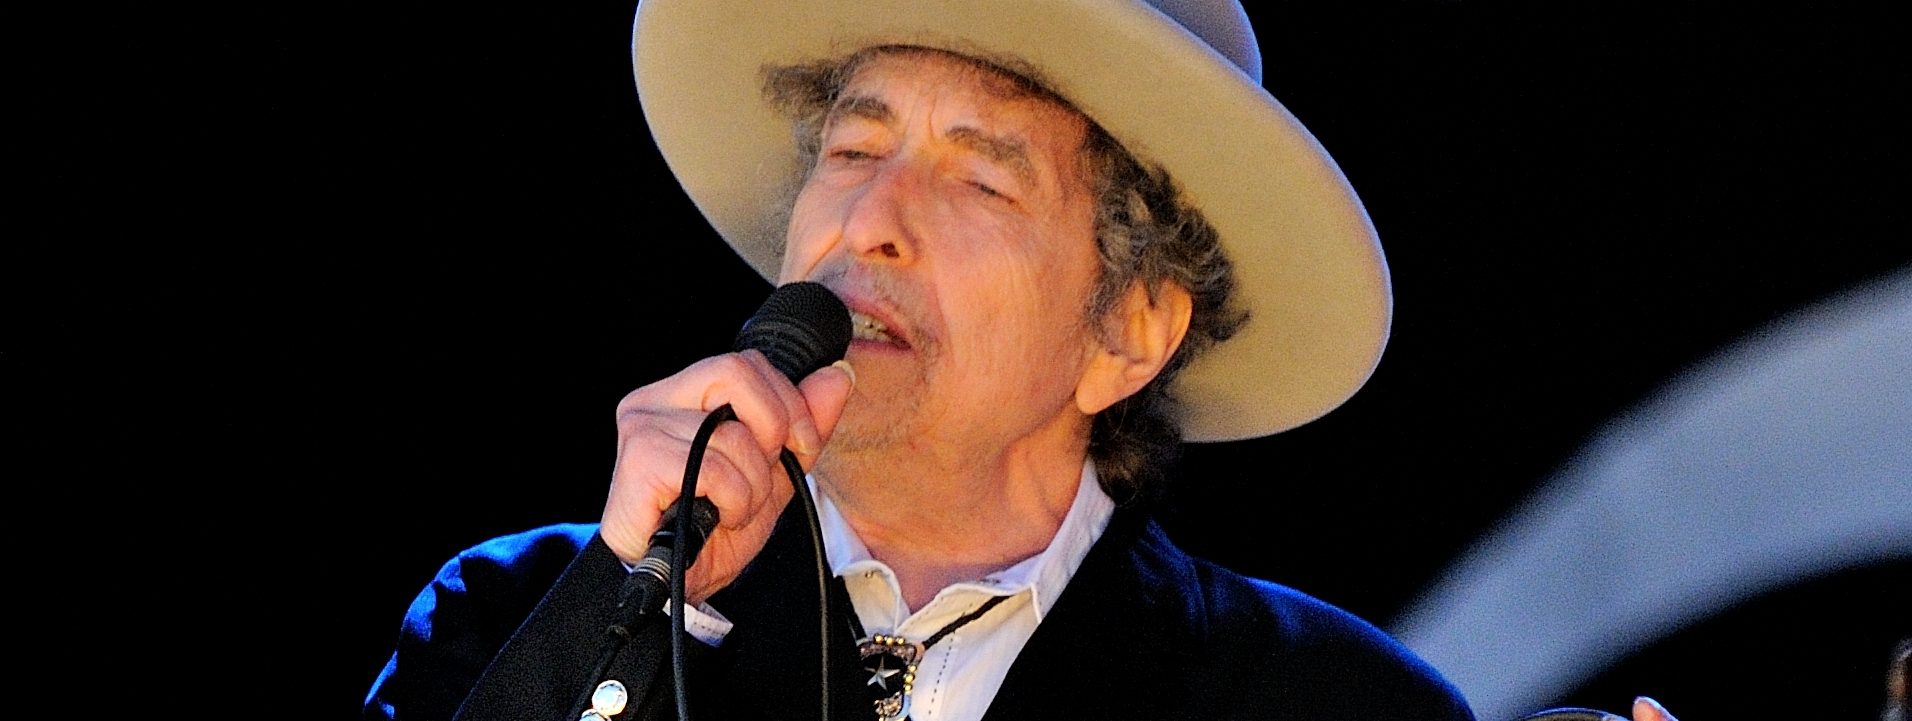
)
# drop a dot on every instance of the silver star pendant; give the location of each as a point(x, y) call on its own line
point(880, 676)
point(884, 657)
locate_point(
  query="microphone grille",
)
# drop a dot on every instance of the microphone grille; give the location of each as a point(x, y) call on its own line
point(801, 327)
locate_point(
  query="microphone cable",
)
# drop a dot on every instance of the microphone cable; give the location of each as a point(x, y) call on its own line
point(679, 644)
point(800, 328)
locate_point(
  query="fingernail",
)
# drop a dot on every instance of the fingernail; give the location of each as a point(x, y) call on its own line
point(845, 365)
point(1657, 708)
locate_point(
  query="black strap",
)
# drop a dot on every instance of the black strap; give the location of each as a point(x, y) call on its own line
point(958, 623)
point(842, 600)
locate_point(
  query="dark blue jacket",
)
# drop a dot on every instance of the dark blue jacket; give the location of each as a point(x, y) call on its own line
point(514, 628)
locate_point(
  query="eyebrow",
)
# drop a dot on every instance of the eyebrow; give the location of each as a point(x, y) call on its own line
point(1011, 153)
point(861, 106)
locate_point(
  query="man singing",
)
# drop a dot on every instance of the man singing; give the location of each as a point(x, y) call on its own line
point(1072, 235)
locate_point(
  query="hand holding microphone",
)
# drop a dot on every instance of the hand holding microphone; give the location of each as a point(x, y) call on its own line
point(799, 331)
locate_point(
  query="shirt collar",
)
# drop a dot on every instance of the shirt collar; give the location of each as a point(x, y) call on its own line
point(1044, 574)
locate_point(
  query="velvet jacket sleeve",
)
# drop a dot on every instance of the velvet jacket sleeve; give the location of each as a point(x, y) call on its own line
point(514, 628)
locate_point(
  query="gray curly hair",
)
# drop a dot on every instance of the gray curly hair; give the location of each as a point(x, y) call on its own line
point(1146, 232)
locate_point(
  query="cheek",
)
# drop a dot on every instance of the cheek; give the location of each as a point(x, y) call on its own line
point(805, 239)
point(1023, 311)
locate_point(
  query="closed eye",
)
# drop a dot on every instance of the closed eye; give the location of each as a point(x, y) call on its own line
point(986, 189)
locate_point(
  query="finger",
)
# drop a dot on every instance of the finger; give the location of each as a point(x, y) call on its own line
point(649, 448)
point(704, 386)
point(656, 424)
point(825, 394)
point(1647, 709)
point(801, 431)
point(763, 399)
point(645, 447)
point(735, 475)
point(760, 397)
point(648, 477)
point(727, 552)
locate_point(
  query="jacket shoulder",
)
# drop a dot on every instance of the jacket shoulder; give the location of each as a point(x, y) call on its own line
point(1282, 648)
point(507, 575)
point(538, 552)
point(460, 620)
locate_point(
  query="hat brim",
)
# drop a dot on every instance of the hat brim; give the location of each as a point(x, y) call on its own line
point(1308, 265)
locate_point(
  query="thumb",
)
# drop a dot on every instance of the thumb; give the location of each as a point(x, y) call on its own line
point(826, 392)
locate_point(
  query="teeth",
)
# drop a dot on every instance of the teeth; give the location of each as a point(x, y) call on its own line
point(863, 327)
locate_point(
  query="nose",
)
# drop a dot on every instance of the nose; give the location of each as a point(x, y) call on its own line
point(879, 224)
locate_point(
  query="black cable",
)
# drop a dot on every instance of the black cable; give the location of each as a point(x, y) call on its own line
point(692, 468)
point(795, 471)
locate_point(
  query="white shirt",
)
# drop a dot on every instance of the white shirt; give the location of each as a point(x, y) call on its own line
point(957, 677)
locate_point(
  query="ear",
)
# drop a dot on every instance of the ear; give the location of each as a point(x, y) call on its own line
point(1139, 336)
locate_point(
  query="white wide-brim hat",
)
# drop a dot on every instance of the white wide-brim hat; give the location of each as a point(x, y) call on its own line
point(1177, 83)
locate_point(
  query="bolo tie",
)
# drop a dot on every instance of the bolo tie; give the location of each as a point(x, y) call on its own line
point(891, 660)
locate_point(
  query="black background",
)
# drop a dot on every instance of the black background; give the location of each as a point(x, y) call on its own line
point(304, 299)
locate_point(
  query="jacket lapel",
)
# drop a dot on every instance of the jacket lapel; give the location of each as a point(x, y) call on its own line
point(1134, 590)
point(770, 660)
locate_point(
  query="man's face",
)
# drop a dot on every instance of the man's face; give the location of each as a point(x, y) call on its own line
point(951, 214)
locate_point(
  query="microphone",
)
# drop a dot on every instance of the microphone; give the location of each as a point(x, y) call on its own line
point(800, 328)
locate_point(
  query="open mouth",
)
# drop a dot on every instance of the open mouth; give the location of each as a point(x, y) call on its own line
point(863, 327)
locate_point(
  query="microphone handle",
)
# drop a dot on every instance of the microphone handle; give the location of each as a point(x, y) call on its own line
point(665, 549)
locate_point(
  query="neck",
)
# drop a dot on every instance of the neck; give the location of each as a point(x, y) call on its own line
point(938, 524)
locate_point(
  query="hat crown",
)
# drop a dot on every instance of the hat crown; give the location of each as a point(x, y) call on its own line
point(1222, 24)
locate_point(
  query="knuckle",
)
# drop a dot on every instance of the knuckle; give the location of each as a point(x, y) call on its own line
point(736, 439)
point(636, 421)
point(733, 363)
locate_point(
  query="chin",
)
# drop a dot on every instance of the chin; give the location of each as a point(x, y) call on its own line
point(862, 433)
